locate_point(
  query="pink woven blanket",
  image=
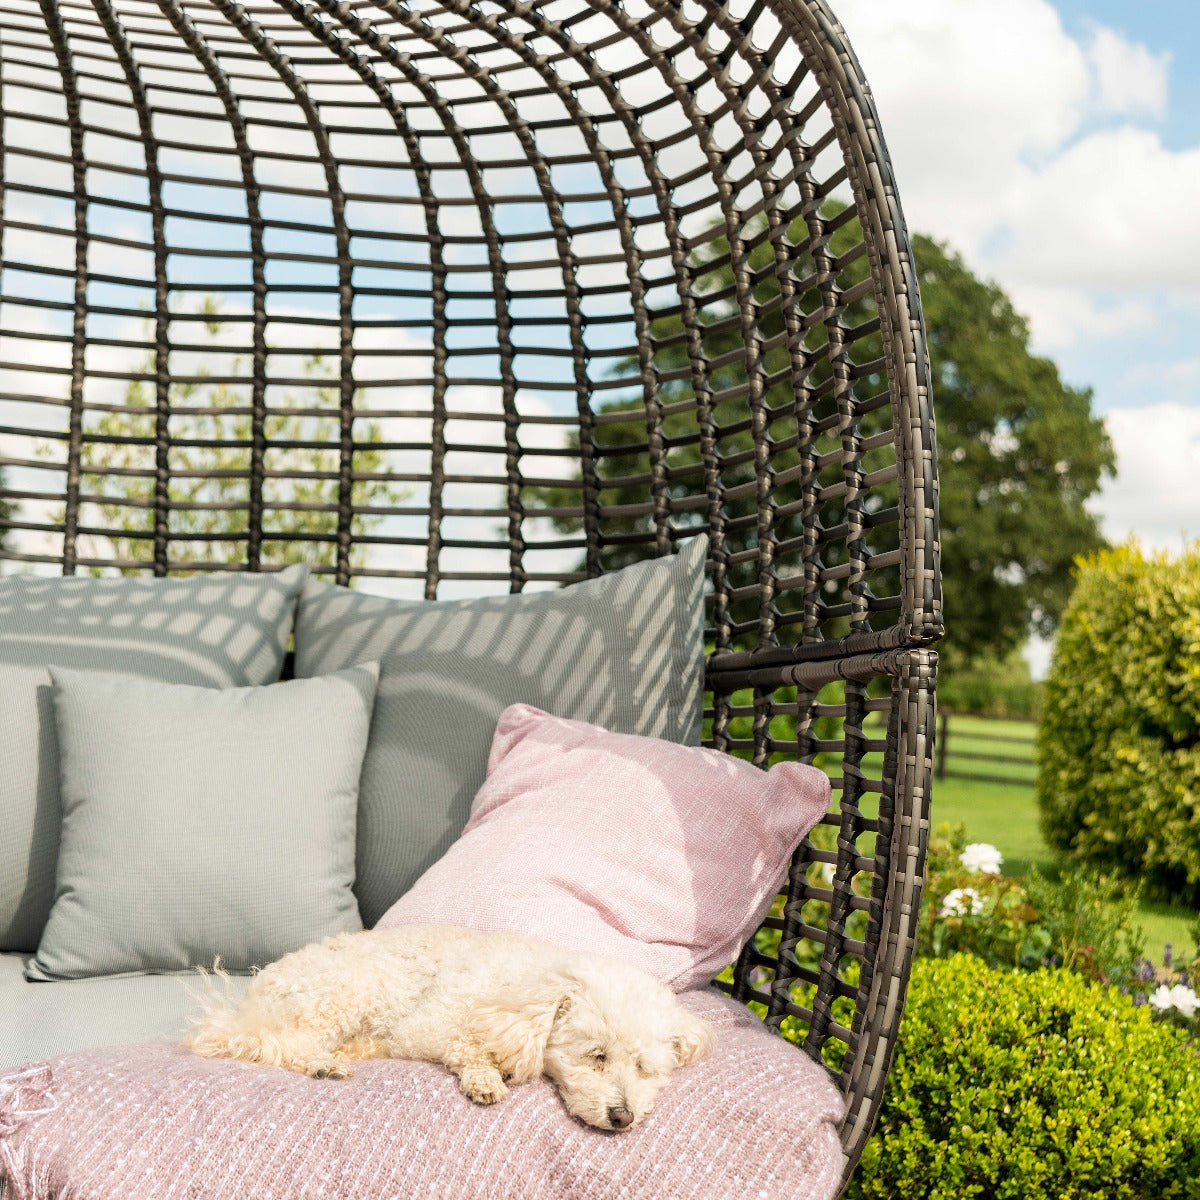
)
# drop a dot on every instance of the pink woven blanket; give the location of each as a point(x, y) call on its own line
point(758, 1119)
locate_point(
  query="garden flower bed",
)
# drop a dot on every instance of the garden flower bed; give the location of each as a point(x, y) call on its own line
point(1042, 1055)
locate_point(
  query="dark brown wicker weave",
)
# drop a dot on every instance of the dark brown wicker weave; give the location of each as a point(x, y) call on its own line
point(585, 277)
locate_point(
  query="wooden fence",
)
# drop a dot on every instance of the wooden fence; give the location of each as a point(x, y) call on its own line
point(941, 771)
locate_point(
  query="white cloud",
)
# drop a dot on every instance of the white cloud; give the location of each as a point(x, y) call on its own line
point(1000, 126)
point(967, 90)
point(1065, 316)
point(1182, 375)
point(1153, 497)
point(1083, 218)
point(1128, 77)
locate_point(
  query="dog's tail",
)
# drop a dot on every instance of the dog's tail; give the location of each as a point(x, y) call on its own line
point(232, 1026)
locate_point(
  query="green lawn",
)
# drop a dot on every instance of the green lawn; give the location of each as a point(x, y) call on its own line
point(1006, 815)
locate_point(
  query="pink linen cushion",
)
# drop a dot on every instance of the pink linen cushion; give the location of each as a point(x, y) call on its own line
point(758, 1118)
point(664, 855)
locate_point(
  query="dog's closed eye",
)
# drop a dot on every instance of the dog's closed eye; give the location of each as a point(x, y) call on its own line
point(598, 1057)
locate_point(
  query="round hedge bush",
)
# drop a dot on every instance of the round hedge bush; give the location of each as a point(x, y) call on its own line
point(1118, 749)
point(1032, 1086)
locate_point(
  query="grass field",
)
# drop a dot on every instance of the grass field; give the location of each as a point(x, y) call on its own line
point(1006, 815)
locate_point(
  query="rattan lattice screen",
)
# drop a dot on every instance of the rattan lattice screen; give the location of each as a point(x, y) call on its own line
point(443, 297)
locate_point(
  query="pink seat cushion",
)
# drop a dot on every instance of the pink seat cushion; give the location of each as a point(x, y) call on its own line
point(758, 1118)
point(664, 855)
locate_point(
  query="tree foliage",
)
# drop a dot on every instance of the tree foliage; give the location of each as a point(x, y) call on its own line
point(210, 461)
point(1020, 450)
point(1119, 745)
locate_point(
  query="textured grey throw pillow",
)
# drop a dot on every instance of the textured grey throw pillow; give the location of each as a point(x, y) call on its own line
point(228, 630)
point(200, 822)
point(624, 651)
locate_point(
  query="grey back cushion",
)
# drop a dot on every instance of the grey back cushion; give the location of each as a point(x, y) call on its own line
point(200, 823)
point(624, 650)
point(214, 631)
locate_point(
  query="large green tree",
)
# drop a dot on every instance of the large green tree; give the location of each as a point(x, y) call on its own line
point(1020, 450)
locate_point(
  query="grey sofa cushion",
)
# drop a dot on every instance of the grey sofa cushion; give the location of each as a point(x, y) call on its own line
point(200, 822)
point(624, 650)
point(45, 1020)
point(217, 631)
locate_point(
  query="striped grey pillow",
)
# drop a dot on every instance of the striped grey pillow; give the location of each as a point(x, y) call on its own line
point(200, 822)
point(223, 630)
point(624, 650)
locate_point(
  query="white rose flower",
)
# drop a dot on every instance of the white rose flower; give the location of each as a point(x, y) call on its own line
point(961, 902)
point(981, 857)
point(1161, 998)
point(1185, 1000)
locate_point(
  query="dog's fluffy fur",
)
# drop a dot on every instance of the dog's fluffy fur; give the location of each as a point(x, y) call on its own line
point(494, 1008)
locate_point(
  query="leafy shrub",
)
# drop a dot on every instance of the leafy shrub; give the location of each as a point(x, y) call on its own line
point(1092, 923)
point(1118, 749)
point(1033, 1086)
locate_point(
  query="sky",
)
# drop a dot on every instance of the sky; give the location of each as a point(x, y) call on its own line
point(1056, 145)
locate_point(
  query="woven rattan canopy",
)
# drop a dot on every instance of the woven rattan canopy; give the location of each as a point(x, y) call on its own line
point(444, 297)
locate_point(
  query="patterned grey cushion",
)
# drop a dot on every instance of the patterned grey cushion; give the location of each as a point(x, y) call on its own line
point(624, 650)
point(217, 631)
point(46, 1020)
point(200, 822)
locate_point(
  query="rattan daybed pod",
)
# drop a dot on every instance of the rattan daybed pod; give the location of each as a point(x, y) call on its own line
point(538, 287)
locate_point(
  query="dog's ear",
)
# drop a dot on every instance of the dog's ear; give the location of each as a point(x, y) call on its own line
point(514, 1030)
point(694, 1039)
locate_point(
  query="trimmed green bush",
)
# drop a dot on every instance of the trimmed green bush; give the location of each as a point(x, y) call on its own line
point(1015, 1085)
point(977, 693)
point(1118, 749)
point(990, 687)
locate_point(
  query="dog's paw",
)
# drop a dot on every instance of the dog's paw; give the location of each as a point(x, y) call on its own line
point(484, 1085)
point(329, 1068)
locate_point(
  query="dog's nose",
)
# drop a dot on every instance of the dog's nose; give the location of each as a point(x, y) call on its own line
point(620, 1118)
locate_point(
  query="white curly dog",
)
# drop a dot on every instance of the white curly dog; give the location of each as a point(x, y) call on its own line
point(494, 1008)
